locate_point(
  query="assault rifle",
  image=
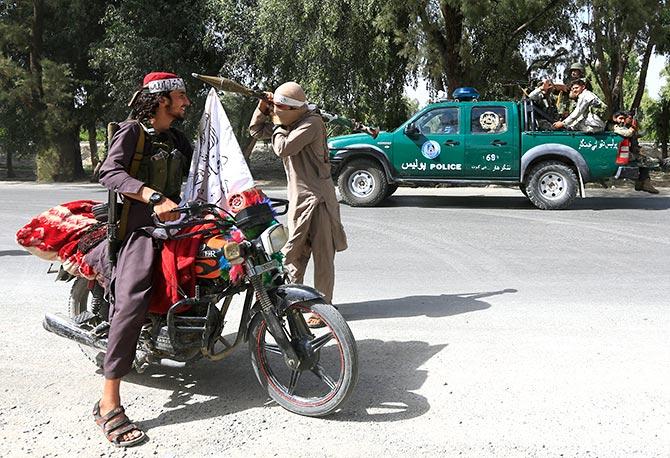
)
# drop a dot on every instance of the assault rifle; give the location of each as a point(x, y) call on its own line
point(112, 208)
point(228, 85)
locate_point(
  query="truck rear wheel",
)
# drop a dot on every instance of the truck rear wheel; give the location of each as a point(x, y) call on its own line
point(362, 183)
point(552, 185)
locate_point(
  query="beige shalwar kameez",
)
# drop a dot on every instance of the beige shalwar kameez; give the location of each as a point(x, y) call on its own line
point(314, 224)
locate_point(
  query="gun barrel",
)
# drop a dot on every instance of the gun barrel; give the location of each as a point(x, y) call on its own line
point(228, 85)
point(215, 81)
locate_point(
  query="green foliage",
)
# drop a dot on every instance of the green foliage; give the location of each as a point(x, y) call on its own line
point(345, 63)
point(657, 115)
point(614, 39)
point(178, 37)
point(484, 44)
point(353, 57)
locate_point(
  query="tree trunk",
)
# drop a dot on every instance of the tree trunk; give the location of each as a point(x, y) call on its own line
point(93, 144)
point(36, 51)
point(453, 18)
point(66, 144)
point(664, 130)
point(447, 44)
point(643, 75)
point(10, 165)
point(248, 149)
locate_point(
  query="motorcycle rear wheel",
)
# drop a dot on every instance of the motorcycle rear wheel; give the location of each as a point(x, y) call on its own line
point(330, 360)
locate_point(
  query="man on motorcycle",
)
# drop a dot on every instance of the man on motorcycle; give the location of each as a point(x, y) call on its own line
point(152, 186)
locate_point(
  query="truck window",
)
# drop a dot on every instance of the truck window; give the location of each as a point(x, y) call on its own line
point(439, 121)
point(488, 120)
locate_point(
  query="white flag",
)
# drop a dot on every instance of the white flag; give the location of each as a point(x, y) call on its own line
point(218, 168)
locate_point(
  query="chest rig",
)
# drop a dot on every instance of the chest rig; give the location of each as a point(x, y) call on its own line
point(162, 166)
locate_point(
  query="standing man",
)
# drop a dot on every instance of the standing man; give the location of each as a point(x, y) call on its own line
point(299, 138)
point(152, 186)
point(577, 71)
point(583, 117)
point(545, 103)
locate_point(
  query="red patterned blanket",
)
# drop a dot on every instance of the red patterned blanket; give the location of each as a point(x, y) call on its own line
point(54, 234)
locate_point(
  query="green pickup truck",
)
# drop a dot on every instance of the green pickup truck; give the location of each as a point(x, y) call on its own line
point(468, 142)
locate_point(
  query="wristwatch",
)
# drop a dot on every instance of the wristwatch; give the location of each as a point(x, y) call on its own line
point(155, 198)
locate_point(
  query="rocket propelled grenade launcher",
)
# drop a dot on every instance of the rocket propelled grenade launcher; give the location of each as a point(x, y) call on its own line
point(228, 85)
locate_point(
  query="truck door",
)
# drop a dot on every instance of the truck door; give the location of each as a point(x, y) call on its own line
point(492, 143)
point(435, 147)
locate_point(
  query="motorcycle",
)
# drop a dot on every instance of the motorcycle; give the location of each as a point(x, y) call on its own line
point(307, 371)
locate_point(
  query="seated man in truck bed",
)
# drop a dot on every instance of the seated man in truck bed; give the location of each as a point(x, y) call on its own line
point(583, 117)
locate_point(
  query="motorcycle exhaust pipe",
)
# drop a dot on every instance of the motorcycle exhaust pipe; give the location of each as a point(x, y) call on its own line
point(67, 328)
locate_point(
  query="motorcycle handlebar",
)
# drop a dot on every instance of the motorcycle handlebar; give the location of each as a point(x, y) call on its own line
point(277, 203)
point(196, 211)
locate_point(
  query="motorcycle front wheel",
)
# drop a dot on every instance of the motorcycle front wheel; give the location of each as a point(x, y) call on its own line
point(328, 370)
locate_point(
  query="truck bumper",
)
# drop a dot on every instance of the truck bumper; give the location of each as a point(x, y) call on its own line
point(632, 173)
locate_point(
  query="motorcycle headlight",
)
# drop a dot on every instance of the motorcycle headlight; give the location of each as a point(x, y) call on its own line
point(274, 238)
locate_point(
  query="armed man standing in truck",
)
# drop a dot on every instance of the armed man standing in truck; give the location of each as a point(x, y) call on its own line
point(546, 103)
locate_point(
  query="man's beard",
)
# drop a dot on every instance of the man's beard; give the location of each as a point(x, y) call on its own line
point(178, 115)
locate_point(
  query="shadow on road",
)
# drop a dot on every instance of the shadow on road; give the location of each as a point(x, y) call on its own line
point(480, 201)
point(14, 253)
point(388, 376)
point(431, 306)
point(644, 202)
point(388, 370)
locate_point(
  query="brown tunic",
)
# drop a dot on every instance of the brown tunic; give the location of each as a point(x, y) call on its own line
point(314, 213)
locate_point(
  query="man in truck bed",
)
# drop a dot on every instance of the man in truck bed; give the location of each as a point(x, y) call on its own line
point(583, 117)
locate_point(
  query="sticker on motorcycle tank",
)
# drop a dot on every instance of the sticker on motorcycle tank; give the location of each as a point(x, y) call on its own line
point(430, 149)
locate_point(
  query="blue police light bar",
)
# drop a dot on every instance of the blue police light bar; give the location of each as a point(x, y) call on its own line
point(465, 94)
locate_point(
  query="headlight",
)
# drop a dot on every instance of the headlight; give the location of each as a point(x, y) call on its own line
point(274, 238)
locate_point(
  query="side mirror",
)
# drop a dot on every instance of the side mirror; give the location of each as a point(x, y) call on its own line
point(411, 130)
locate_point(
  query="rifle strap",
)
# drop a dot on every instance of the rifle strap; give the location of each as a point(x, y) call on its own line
point(134, 168)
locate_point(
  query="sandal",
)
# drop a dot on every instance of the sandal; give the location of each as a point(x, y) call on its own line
point(115, 424)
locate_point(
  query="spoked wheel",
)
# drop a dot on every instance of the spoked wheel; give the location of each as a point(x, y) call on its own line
point(88, 305)
point(329, 360)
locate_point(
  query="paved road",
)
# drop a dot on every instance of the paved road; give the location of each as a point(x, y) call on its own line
point(485, 327)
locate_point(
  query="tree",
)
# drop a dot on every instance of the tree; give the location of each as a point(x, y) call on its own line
point(345, 62)
point(657, 116)
point(609, 34)
point(455, 43)
point(179, 37)
point(16, 84)
point(48, 61)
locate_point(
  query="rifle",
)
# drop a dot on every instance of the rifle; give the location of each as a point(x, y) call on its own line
point(112, 209)
point(228, 85)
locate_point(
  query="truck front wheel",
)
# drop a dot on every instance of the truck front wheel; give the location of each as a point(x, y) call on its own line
point(362, 183)
point(552, 185)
